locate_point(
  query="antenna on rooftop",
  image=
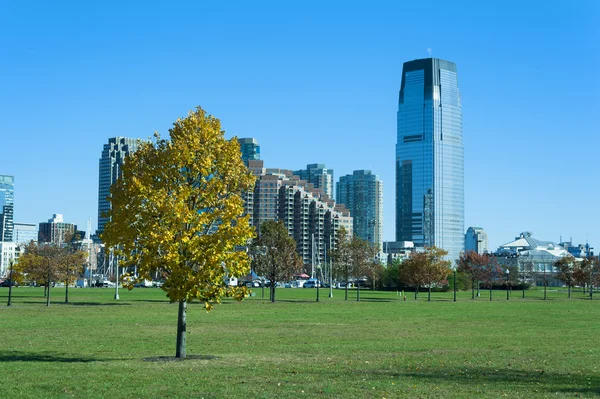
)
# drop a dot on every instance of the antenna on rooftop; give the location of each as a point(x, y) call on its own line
point(429, 52)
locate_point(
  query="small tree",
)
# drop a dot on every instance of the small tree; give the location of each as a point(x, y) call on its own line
point(426, 269)
point(342, 259)
point(490, 272)
point(565, 267)
point(362, 255)
point(43, 262)
point(474, 265)
point(275, 255)
point(178, 209)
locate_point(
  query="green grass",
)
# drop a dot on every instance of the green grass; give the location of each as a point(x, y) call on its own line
point(379, 347)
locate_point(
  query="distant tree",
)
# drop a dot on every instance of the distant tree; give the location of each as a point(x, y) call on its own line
point(178, 210)
point(390, 275)
point(490, 272)
point(342, 259)
point(274, 254)
point(74, 261)
point(362, 255)
point(45, 263)
point(474, 265)
point(426, 268)
point(565, 267)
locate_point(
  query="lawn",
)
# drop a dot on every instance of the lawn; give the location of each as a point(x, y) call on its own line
point(380, 347)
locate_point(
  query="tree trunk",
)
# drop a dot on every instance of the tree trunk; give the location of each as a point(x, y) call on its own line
point(346, 289)
point(357, 290)
point(569, 285)
point(490, 294)
point(272, 292)
point(429, 294)
point(181, 330)
point(48, 292)
point(416, 290)
point(478, 290)
point(472, 288)
point(45, 288)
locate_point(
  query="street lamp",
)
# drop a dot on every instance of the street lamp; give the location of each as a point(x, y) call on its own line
point(454, 285)
point(507, 283)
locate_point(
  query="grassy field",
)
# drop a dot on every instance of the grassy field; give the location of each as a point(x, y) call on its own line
point(381, 347)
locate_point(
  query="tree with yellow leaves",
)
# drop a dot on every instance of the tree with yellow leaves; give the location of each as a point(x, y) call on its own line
point(177, 210)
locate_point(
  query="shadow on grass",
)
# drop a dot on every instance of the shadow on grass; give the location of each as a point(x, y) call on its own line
point(513, 378)
point(17, 356)
point(78, 303)
point(158, 359)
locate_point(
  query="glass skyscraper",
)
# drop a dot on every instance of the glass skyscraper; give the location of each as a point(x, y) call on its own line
point(111, 163)
point(250, 149)
point(7, 203)
point(430, 157)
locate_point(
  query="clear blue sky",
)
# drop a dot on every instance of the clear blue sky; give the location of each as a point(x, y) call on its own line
point(314, 82)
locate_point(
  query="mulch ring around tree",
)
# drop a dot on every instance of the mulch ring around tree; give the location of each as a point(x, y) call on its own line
point(179, 359)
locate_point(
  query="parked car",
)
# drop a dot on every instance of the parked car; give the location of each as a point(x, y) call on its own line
point(312, 283)
point(7, 283)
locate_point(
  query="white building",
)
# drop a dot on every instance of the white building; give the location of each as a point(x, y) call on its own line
point(7, 253)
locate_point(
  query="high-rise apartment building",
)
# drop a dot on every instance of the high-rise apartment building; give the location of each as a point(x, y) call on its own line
point(362, 193)
point(56, 231)
point(430, 157)
point(476, 240)
point(250, 149)
point(7, 201)
point(111, 164)
point(311, 218)
point(319, 176)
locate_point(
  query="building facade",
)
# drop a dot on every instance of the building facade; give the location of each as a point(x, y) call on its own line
point(311, 218)
point(25, 233)
point(320, 177)
point(362, 193)
point(7, 203)
point(476, 239)
point(111, 164)
point(250, 149)
point(8, 253)
point(55, 231)
point(430, 157)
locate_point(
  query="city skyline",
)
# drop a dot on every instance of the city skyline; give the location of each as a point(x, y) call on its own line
point(524, 128)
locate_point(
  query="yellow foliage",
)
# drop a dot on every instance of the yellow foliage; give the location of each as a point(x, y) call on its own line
point(178, 209)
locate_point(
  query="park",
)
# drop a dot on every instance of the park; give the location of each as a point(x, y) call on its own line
point(381, 347)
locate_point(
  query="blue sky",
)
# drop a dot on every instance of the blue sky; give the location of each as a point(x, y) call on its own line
point(314, 82)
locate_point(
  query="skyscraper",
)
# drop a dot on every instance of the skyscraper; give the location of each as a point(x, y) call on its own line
point(7, 200)
point(362, 193)
point(250, 149)
point(476, 240)
point(111, 163)
point(319, 176)
point(430, 157)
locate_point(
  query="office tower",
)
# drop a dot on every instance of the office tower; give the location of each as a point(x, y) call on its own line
point(250, 149)
point(111, 163)
point(25, 233)
point(362, 193)
point(7, 200)
point(319, 176)
point(430, 157)
point(56, 231)
point(476, 240)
